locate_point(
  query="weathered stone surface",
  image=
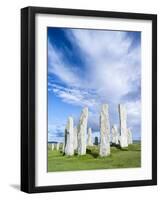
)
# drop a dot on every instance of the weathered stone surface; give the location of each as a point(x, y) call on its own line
point(115, 135)
point(75, 138)
point(82, 131)
point(52, 146)
point(57, 146)
point(69, 137)
point(104, 132)
point(123, 126)
point(130, 140)
point(89, 138)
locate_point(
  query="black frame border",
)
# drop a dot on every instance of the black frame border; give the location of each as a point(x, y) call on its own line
point(28, 98)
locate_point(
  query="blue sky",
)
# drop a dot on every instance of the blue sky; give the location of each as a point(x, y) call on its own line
point(88, 68)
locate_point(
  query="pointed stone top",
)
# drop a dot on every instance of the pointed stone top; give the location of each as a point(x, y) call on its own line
point(122, 106)
point(69, 122)
point(70, 118)
point(104, 107)
point(85, 109)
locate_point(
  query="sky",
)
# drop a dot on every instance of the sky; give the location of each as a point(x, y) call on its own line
point(88, 67)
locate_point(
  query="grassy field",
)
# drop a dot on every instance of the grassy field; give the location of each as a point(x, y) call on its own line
point(119, 158)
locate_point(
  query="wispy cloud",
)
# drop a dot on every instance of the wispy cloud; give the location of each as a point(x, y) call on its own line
point(56, 132)
point(57, 66)
point(75, 96)
point(134, 112)
point(112, 65)
point(111, 72)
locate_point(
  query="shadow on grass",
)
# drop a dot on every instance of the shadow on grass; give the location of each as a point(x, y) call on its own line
point(129, 148)
point(117, 146)
point(92, 153)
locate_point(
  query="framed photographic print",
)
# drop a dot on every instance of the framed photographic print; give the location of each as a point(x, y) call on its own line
point(88, 99)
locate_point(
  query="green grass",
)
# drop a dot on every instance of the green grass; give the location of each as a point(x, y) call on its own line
point(120, 158)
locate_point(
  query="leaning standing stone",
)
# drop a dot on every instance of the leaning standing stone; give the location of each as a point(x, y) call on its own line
point(123, 126)
point(82, 132)
point(104, 131)
point(89, 138)
point(69, 137)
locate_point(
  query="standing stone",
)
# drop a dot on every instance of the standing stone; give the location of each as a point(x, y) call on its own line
point(123, 126)
point(130, 140)
point(57, 146)
point(75, 138)
point(96, 140)
point(63, 149)
point(82, 132)
point(115, 135)
point(52, 146)
point(104, 131)
point(89, 138)
point(69, 137)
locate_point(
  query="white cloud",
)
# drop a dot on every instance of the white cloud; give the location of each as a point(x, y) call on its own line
point(75, 96)
point(56, 131)
point(58, 67)
point(134, 112)
point(112, 66)
point(101, 43)
point(112, 71)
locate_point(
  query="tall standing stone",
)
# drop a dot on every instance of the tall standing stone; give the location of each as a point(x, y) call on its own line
point(130, 140)
point(89, 138)
point(75, 138)
point(115, 135)
point(104, 131)
point(123, 126)
point(69, 137)
point(82, 131)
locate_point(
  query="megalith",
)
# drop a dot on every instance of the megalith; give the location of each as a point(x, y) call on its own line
point(69, 137)
point(115, 135)
point(82, 131)
point(104, 131)
point(75, 138)
point(130, 140)
point(62, 147)
point(57, 146)
point(96, 140)
point(52, 146)
point(123, 126)
point(89, 137)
